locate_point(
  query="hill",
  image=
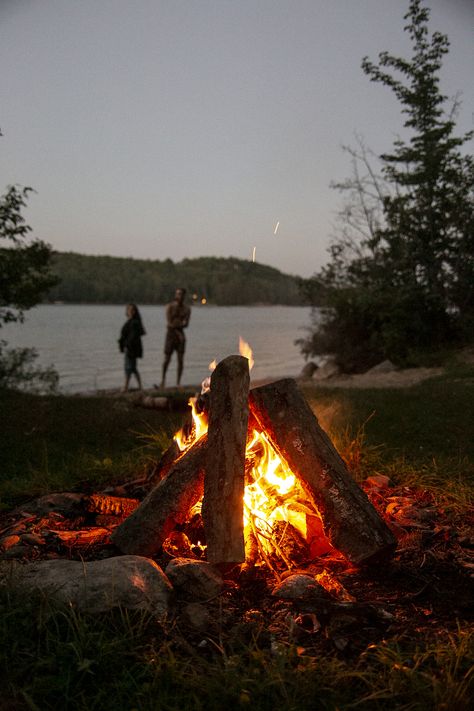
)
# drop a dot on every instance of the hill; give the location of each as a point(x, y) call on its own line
point(115, 280)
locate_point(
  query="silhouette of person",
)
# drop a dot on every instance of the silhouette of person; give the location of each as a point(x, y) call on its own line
point(130, 343)
point(177, 319)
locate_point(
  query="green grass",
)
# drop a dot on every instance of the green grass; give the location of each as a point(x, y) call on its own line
point(430, 421)
point(56, 443)
point(54, 658)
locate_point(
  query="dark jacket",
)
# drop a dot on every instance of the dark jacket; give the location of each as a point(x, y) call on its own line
point(131, 338)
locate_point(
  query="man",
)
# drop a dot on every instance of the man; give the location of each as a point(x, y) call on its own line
point(177, 319)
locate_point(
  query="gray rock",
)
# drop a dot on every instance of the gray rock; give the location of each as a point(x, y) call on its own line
point(300, 587)
point(196, 578)
point(197, 617)
point(309, 370)
point(329, 370)
point(63, 503)
point(130, 581)
point(386, 366)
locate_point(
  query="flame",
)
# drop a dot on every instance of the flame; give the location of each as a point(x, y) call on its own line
point(271, 494)
point(274, 502)
point(185, 437)
point(206, 383)
point(246, 351)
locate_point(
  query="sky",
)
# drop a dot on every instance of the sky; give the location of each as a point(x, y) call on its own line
point(160, 129)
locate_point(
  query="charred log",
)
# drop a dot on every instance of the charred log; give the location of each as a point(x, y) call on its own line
point(167, 505)
point(350, 522)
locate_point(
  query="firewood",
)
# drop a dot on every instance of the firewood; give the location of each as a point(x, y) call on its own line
point(82, 538)
point(350, 522)
point(110, 505)
point(168, 504)
point(161, 469)
point(224, 480)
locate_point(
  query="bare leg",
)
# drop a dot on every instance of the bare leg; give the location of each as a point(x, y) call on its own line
point(139, 380)
point(127, 380)
point(166, 363)
point(180, 366)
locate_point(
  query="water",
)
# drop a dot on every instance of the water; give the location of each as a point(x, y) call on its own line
point(80, 341)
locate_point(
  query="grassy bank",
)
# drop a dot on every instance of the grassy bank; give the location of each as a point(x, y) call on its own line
point(56, 658)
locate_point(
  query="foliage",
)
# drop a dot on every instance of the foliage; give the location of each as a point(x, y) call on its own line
point(24, 265)
point(114, 280)
point(17, 371)
point(24, 277)
point(401, 273)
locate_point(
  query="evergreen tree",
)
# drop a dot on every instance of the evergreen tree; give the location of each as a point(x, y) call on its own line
point(411, 286)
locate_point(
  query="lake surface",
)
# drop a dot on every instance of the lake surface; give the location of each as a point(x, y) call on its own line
point(81, 342)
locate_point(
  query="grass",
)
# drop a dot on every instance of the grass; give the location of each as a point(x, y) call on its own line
point(53, 657)
point(56, 443)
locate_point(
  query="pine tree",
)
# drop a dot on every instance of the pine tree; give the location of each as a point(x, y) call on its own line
point(409, 285)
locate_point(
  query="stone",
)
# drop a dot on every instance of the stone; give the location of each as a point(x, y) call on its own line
point(196, 578)
point(63, 503)
point(128, 581)
point(329, 370)
point(300, 587)
point(309, 370)
point(198, 617)
point(386, 366)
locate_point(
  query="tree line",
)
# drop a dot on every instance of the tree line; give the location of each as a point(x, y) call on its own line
point(221, 281)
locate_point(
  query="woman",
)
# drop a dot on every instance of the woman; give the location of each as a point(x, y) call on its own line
point(130, 343)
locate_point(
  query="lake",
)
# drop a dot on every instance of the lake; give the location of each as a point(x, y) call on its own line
point(81, 342)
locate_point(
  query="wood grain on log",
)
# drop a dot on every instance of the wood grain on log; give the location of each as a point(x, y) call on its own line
point(168, 504)
point(224, 481)
point(350, 522)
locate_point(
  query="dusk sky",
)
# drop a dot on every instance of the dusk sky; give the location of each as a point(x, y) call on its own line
point(182, 128)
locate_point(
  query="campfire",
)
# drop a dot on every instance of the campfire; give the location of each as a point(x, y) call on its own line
point(255, 467)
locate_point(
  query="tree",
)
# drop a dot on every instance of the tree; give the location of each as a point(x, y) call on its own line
point(24, 265)
point(410, 283)
point(24, 277)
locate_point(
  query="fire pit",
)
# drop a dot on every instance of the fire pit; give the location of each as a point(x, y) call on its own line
point(270, 486)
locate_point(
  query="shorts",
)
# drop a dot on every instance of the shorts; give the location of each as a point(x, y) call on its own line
point(130, 365)
point(175, 341)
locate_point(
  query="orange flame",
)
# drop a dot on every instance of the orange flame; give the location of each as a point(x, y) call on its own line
point(272, 493)
point(246, 351)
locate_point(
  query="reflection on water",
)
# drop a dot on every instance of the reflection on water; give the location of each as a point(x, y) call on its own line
point(81, 341)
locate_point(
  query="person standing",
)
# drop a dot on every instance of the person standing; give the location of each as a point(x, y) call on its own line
point(130, 343)
point(177, 319)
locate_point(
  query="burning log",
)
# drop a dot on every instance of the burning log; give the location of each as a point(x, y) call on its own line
point(224, 482)
point(168, 504)
point(83, 538)
point(350, 522)
point(110, 505)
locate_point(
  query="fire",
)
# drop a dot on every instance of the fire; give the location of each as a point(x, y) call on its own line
point(271, 494)
point(186, 437)
point(273, 498)
point(246, 351)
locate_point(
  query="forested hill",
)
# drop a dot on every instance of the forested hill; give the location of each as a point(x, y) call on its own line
point(117, 280)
